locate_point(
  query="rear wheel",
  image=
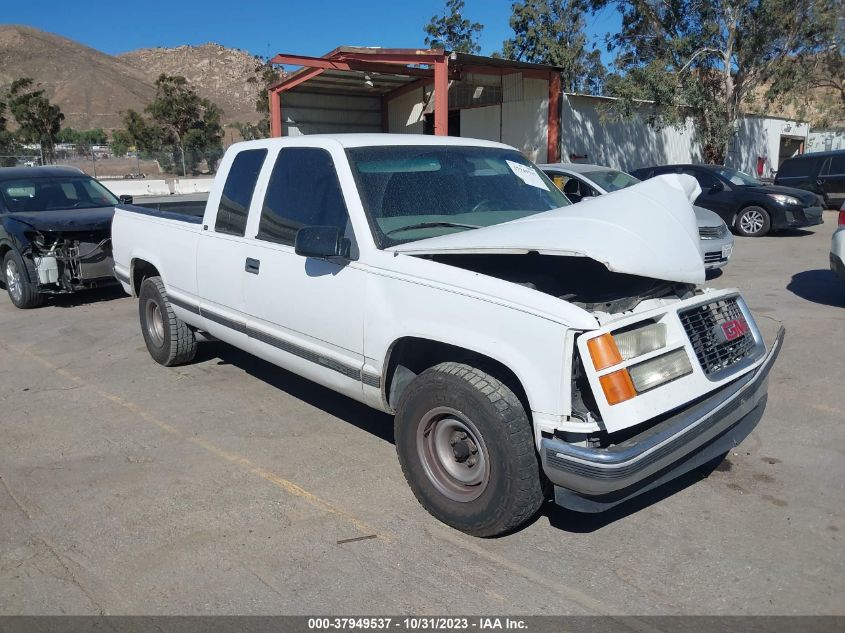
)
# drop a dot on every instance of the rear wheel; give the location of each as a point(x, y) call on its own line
point(467, 450)
point(169, 339)
point(753, 221)
point(17, 274)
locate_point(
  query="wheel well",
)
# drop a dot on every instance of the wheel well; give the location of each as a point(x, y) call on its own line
point(410, 356)
point(141, 269)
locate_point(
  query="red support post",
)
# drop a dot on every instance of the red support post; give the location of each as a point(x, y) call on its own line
point(553, 134)
point(441, 96)
point(275, 114)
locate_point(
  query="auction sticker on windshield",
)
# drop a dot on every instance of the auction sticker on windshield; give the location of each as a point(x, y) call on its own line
point(527, 175)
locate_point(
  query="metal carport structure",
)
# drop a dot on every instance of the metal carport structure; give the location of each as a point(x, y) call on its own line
point(352, 88)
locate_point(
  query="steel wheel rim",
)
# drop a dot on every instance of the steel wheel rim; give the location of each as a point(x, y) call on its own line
point(453, 454)
point(751, 221)
point(13, 280)
point(155, 323)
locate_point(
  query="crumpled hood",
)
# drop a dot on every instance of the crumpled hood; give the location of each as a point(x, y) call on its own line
point(648, 229)
point(95, 219)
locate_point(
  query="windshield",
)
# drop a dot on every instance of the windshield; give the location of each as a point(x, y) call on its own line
point(737, 177)
point(412, 193)
point(610, 179)
point(54, 194)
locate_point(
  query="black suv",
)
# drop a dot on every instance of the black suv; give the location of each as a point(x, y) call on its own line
point(744, 203)
point(820, 172)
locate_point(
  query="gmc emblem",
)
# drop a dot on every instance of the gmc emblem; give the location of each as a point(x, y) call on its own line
point(733, 329)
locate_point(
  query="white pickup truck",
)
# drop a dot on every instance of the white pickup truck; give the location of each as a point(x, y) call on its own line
point(519, 341)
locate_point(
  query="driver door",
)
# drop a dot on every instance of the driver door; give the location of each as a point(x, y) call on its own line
point(304, 314)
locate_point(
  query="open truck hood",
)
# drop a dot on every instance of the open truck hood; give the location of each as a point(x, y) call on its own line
point(648, 229)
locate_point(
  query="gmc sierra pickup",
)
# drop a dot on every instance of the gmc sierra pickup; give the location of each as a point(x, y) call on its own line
point(519, 341)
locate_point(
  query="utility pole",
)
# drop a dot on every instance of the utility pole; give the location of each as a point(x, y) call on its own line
point(94, 160)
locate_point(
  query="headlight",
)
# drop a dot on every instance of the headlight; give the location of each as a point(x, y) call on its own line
point(657, 371)
point(783, 199)
point(641, 341)
point(611, 349)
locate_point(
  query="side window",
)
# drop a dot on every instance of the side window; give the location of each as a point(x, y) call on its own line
point(237, 192)
point(303, 191)
point(835, 166)
point(705, 180)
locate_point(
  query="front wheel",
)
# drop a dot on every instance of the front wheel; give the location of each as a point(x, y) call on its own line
point(466, 448)
point(169, 339)
point(17, 275)
point(753, 221)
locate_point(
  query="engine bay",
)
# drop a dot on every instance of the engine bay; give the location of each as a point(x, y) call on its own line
point(70, 261)
point(579, 280)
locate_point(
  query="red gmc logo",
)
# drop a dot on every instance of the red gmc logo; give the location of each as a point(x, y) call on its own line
point(734, 329)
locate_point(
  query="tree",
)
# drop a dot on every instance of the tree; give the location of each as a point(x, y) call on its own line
point(83, 139)
point(707, 59)
point(183, 128)
point(451, 31)
point(816, 82)
point(7, 140)
point(552, 32)
point(121, 141)
point(38, 120)
point(264, 75)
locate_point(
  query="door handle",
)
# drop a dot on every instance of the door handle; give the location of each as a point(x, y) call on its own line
point(252, 265)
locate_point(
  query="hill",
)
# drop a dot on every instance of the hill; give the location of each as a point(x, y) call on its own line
point(223, 75)
point(92, 88)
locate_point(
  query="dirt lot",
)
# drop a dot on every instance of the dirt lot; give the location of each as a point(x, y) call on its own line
point(225, 486)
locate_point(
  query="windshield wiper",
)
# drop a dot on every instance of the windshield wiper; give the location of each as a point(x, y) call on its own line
point(431, 225)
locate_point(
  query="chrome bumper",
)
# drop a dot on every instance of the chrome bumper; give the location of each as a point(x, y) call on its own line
point(594, 479)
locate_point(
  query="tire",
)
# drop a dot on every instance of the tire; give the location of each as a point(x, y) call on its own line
point(450, 415)
point(753, 221)
point(169, 339)
point(17, 274)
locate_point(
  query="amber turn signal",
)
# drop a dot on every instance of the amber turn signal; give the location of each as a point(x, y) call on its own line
point(617, 386)
point(604, 352)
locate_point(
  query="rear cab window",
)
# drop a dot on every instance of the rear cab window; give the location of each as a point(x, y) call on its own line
point(234, 204)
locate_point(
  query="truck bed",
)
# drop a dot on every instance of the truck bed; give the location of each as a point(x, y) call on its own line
point(190, 211)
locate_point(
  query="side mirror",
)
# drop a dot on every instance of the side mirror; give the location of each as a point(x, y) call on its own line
point(322, 242)
point(124, 199)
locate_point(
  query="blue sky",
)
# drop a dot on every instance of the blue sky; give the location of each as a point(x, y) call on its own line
point(310, 27)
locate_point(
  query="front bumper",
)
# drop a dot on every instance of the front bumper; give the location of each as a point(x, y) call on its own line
point(595, 479)
point(797, 217)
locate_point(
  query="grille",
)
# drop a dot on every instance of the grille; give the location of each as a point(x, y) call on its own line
point(712, 232)
point(713, 257)
point(703, 327)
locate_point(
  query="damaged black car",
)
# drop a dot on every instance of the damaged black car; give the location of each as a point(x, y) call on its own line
point(55, 232)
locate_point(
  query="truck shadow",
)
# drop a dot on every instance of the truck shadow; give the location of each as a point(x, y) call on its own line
point(365, 418)
point(819, 286)
point(583, 522)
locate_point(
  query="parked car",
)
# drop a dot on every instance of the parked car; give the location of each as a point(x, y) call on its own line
point(580, 181)
point(447, 281)
point(837, 246)
point(820, 172)
point(744, 203)
point(55, 227)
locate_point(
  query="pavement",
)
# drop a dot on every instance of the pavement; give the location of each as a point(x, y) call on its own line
point(230, 486)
